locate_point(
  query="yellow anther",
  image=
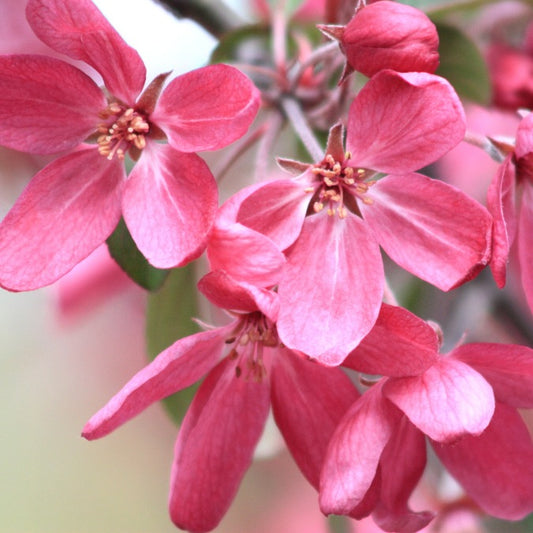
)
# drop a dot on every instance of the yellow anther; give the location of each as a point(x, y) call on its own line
point(318, 206)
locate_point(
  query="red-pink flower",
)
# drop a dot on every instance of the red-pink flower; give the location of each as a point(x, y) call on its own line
point(465, 403)
point(246, 371)
point(332, 284)
point(510, 200)
point(387, 35)
point(48, 106)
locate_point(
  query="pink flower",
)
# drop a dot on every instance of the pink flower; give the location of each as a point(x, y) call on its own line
point(510, 200)
point(246, 371)
point(46, 105)
point(465, 403)
point(332, 219)
point(387, 35)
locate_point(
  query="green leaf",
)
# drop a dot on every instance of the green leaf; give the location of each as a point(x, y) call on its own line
point(462, 64)
point(169, 318)
point(441, 7)
point(244, 41)
point(125, 252)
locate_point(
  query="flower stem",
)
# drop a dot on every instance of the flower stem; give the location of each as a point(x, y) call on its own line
point(485, 144)
point(294, 113)
point(215, 17)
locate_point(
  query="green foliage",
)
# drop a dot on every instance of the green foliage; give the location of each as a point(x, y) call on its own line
point(169, 318)
point(462, 64)
point(125, 252)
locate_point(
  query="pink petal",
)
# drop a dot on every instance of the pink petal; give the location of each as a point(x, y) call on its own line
point(507, 367)
point(400, 344)
point(308, 401)
point(177, 367)
point(68, 209)
point(248, 255)
point(331, 291)
point(496, 468)
point(215, 447)
point(207, 109)
point(402, 122)
point(430, 228)
point(371, 43)
point(80, 31)
point(226, 293)
point(244, 253)
point(355, 451)
point(169, 205)
point(524, 138)
point(525, 250)
point(446, 401)
point(402, 465)
point(501, 204)
point(46, 105)
point(277, 210)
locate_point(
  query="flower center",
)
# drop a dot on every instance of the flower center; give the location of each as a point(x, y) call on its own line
point(338, 184)
point(254, 333)
point(122, 129)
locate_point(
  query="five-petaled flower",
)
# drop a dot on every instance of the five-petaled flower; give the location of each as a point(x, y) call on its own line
point(332, 219)
point(48, 106)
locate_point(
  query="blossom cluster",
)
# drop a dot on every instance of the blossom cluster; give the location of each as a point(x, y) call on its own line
point(357, 384)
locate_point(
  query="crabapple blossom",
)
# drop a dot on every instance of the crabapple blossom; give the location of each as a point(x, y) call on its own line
point(465, 403)
point(70, 207)
point(332, 219)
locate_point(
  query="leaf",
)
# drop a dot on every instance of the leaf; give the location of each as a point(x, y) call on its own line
point(249, 40)
point(462, 64)
point(441, 7)
point(125, 252)
point(169, 318)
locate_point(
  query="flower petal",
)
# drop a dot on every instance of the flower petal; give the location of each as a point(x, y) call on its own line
point(496, 468)
point(308, 401)
point(215, 446)
point(402, 465)
point(501, 204)
point(68, 209)
point(226, 293)
point(46, 105)
point(525, 250)
point(80, 31)
point(507, 367)
point(277, 209)
point(331, 290)
point(207, 109)
point(355, 451)
point(446, 401)
point(169, 205)
point(430, 228)
point(402, 122)
point(175, 368)
point(400, 344)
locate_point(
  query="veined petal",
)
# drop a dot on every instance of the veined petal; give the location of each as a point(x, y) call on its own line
point(448, 400)
point(507, 367)
point(399, 344)
point(525, 250)
point(331, 290)
point(226, 293)
point(247, 255)
point(169, 205)
point(46, 105)
point(402, 465)
point(67, 210)
point(215, 447)
point(277, 209)
point(207, 109)
point(430, 228)
point(308, 401)
point(355, 451)
point(496, 468)
point(177, 367)
point(501, 204)
point(402, 122)
point(80, 31)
